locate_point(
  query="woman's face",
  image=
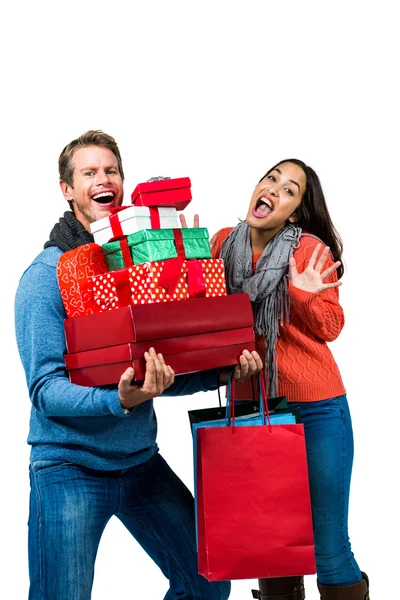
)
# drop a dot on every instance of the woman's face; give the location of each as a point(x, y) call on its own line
point(276, 198)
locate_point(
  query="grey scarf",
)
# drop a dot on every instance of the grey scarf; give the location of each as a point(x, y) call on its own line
point(69, 233)
point(267, 287)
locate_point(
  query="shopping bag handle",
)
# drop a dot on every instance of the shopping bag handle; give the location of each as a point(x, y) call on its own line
point(230, 402)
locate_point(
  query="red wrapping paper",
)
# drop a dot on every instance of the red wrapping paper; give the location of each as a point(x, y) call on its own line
point(74, 269)
point(174, 193)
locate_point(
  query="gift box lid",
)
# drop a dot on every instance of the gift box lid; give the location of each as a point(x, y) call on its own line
point(100, 356)
point(130, 212)
point(160, 186)
point(158, 235)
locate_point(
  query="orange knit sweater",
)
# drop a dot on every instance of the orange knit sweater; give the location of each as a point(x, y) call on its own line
point(307, 370)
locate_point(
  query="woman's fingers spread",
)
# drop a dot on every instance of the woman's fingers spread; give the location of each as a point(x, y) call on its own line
point(322, 259)
point(292, 267)
point(327, 286)
point(196, 221)
point(314, 255)
point(330, 270)
point(183, 221)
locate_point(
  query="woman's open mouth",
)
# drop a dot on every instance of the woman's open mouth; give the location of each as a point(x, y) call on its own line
point(263, 207)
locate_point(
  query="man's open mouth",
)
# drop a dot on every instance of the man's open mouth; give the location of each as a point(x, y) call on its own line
point(104, 197)
point(263, 207)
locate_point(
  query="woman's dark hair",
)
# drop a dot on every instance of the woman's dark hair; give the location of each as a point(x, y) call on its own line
point(312, 215)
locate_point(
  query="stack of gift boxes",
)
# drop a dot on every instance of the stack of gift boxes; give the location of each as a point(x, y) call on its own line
point(146, 282)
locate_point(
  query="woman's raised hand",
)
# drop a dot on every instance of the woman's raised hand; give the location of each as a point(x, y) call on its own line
point(196, 221)
point(313, 277)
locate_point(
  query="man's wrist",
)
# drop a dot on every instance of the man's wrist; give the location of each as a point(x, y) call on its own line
point(223, 375)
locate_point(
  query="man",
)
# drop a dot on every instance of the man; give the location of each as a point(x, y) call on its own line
point(94, 451)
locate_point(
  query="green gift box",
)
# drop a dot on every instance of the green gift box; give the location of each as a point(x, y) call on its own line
point(150, 245)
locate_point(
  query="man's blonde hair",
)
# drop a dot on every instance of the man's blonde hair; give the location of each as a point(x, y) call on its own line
point(89, 138)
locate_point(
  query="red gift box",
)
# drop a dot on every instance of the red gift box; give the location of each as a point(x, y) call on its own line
point(174, 193)
point(148, 322)
point(74, 268)
point(185, 354)
point(157, 282)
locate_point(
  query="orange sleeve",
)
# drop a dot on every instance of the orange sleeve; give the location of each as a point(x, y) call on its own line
point(321, 313)
point(218, 239)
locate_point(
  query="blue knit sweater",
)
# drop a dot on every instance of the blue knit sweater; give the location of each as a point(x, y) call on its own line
point(82, 425)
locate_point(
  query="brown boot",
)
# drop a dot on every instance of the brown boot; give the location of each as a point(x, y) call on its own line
point(357, 591)
point(280, 588)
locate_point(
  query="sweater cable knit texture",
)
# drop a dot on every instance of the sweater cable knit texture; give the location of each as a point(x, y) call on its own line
point(307, 370)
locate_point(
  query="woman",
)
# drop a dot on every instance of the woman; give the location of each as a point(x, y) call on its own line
point(276, 256)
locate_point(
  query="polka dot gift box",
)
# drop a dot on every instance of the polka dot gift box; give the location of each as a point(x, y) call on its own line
point(163, 281)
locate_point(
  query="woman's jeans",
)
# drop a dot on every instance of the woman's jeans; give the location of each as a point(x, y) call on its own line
point(70, 507)
point(329, 441)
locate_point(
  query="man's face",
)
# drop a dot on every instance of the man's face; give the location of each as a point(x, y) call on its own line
point(97, 184)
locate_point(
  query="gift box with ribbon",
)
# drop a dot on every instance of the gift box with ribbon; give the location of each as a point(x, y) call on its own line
point(163, 281)
point(74, 269)
point(147, 322)
point(125, 220)
point(187, 354)
point(164, 192)
point(199, 334)
point(149, 245)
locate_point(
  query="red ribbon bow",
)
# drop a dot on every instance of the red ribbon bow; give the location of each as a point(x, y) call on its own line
point(172, 271)
point(115, 224)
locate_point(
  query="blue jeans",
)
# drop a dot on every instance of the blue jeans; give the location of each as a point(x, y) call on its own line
point(70, 507)
point(329, 442)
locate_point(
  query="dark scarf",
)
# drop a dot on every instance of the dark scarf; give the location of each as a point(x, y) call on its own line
point(267, 287)
point(69, 233)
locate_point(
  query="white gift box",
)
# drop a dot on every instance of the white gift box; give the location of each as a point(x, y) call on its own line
point(132, 219)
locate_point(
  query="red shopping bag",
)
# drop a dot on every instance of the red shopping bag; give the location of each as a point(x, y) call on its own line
point(253, 502)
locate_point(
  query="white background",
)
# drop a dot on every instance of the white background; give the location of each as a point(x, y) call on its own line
point(217, 91)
